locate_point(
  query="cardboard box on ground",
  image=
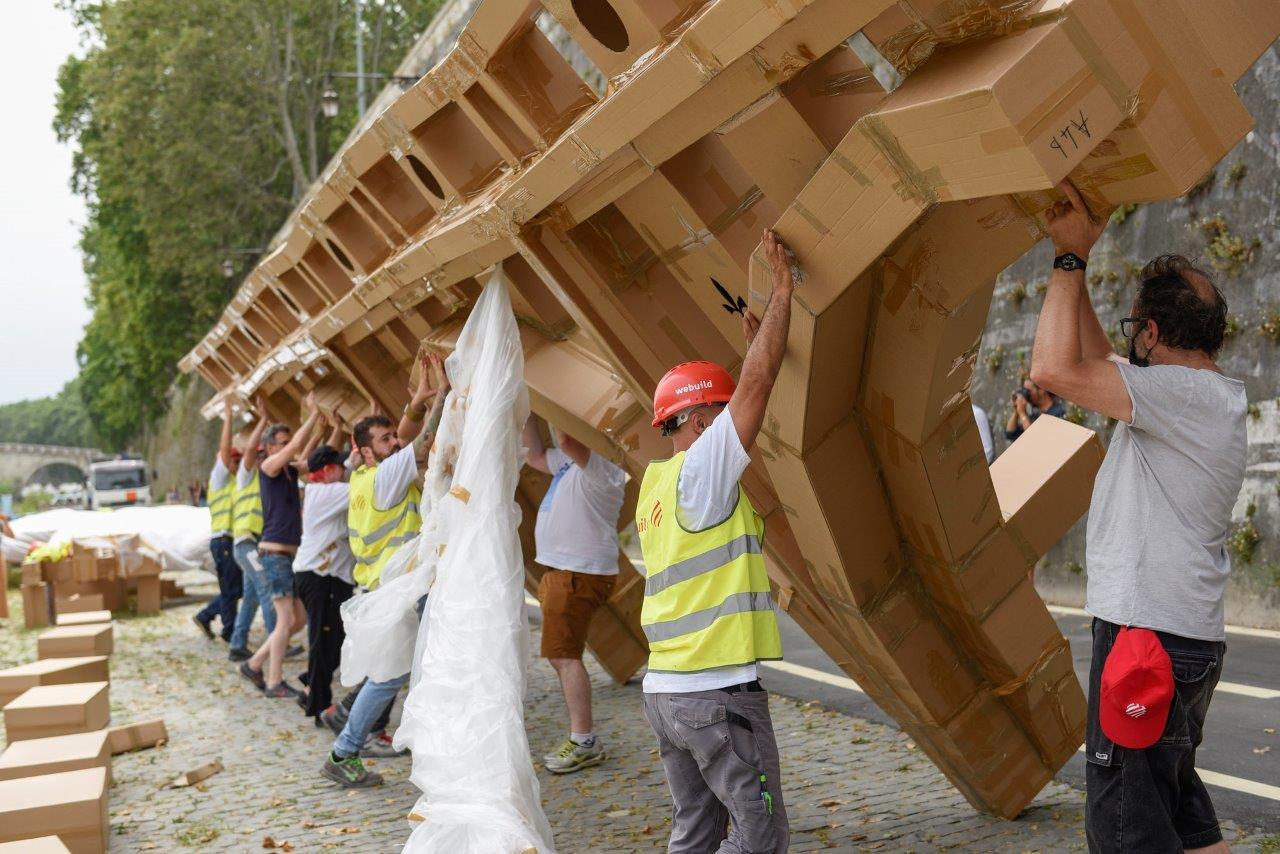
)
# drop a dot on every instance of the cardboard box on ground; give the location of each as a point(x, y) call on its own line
point(49, 710)
point(70, 804)
point(889, 539)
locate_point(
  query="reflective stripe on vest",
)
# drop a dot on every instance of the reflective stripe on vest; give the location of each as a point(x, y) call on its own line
point(706, 599)
point(246, 511)
point(220, 508)
point(376, 534)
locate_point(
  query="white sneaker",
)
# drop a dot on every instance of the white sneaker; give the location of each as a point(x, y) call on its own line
point(571, 756)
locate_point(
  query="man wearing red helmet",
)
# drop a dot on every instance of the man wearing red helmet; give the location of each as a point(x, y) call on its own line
point(708, 613)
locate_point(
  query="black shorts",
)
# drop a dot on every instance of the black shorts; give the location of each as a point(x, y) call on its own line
point(1153, 799)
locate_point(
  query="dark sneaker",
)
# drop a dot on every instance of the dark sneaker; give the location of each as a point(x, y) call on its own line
point(254, 676)
point(239, 653)
point(349, 773)
point(335, 718)
point(295, 651)
point(281, 691)
point(202, 626)
point(378, 745)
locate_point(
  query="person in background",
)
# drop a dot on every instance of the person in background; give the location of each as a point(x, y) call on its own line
point(173, 496)
point(707, 612)
point(323, 568)
point(1029, 402)
point(221, 500)
point(984, 433)
point(281, 535)
point(246, 528)
point(577, 541)
point(382, 515)
point(1156, 542)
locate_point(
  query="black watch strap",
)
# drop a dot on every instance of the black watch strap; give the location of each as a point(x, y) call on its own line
point(1069, 261)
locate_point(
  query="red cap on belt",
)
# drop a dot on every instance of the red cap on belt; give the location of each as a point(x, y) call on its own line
point(1137, 689)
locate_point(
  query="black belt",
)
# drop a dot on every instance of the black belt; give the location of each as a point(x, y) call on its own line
point(743, 687)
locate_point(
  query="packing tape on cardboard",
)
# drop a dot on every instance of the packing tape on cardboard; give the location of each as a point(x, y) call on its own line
point(950, 22)
point(913, 184)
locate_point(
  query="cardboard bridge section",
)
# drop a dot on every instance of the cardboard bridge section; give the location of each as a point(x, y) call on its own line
point(619, 219)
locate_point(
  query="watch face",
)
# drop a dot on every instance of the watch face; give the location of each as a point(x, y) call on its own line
point(1069, 262)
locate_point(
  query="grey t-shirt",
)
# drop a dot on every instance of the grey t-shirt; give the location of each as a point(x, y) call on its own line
point(1161, 512)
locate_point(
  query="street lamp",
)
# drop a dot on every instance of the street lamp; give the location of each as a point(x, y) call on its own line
point(329, 102)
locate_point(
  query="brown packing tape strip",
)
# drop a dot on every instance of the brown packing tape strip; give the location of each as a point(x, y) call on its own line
point(1023, 544)
point(951, 22)
point(699, 239)
point(913, 184)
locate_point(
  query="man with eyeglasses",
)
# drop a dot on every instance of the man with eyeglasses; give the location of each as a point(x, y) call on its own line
point(1158, 525)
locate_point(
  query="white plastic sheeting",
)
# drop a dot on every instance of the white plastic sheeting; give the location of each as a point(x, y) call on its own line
point(381, 626)
point(463, 719)
point(177, 535)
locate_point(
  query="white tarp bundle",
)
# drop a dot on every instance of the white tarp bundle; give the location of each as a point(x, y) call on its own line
point(464, 716)
point(176, 535)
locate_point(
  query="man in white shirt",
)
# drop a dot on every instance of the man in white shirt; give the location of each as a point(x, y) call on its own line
point(221, 497)
point(577, 541)
point(322, 572)
point(708, 614)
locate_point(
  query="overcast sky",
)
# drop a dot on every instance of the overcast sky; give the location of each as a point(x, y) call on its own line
point(42, 285)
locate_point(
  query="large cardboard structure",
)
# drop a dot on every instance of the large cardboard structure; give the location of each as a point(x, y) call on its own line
point(619, 219)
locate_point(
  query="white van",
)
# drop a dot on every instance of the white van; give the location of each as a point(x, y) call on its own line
point(119, 482)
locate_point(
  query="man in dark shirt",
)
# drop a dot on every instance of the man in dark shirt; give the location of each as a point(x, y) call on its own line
point(1029, 403)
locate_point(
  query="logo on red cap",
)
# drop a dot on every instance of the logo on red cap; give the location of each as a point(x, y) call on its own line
point(1137, 689)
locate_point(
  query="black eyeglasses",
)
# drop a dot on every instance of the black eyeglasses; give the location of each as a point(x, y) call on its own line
point(1131, 326)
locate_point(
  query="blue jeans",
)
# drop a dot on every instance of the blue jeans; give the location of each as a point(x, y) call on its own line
point(278, 572)
point(246, 553)
point(230, 587)
point(374, 698)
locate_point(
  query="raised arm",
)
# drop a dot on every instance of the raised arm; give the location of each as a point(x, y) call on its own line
point(250, 458)
point(573, 449)
point(336, 435)
point(431, 383)
point(537, 458)
point(768, 344)
point(224, 441)
point(1059, 361)
point(312, 441)
point(276, 463)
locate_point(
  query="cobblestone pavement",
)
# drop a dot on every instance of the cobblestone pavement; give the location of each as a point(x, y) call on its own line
point(850, 785)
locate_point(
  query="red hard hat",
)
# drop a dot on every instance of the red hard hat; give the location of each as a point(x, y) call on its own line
point(690, 384)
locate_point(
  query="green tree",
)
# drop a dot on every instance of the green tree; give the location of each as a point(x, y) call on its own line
point(196, 126)
point(57, 420)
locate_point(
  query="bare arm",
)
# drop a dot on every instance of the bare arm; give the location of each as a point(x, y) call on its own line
point(312, 441)
point(250, 459)
point(764, 355)
point(431, 382)
point(573, 449)
point(224, 441)
point(335, 435)
point(276, 463)
point(533, 441)
point(1058, 360)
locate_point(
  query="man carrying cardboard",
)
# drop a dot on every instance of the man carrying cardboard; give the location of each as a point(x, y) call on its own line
point(577, 541)
point(707, 611)
point(382, 515)
point(1158, 525)
point(221, 498)
point(246, 528)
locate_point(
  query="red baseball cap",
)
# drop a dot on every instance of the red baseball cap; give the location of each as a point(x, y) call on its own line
point(1137, 689)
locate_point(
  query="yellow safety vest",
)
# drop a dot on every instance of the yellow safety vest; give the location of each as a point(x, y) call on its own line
point(376, 534)
point(246, 512)
point(706, 594)
point(220, 507)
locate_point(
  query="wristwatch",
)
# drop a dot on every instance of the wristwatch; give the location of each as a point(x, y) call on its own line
point(1069, 261)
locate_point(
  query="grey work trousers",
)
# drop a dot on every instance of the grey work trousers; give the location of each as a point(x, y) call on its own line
point(714, 764)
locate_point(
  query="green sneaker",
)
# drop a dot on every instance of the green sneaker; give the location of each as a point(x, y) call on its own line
point(572, 756)
point(349, 773)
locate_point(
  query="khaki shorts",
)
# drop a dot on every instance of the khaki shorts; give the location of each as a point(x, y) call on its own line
point(569, 600)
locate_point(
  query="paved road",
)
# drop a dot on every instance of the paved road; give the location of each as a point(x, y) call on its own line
point(1236, 727)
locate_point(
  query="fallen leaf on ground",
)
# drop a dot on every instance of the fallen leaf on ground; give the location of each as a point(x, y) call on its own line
point(268, 842)
point(1261, 750)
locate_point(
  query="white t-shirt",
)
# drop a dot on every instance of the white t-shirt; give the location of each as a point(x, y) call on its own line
point(218, 478)
point(577, 525)
point(325, 549)
point(706, 494)
point(984, 432)
point(244, 474)
point(393, 477)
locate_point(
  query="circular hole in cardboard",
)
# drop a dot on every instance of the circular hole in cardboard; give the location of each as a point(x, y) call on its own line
point(424, 175)
point(340, 255)
point(603, 22)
